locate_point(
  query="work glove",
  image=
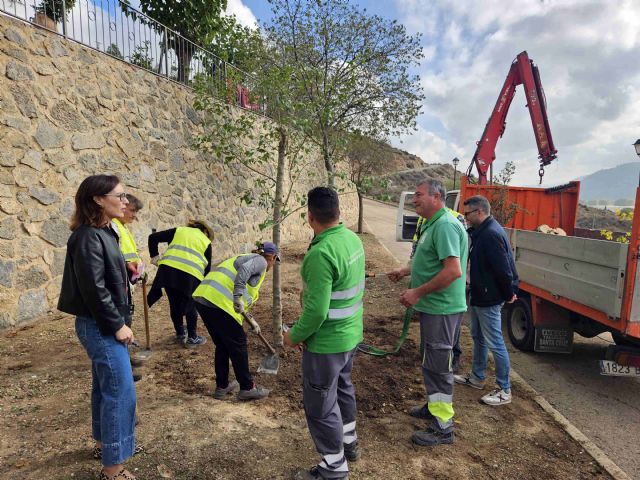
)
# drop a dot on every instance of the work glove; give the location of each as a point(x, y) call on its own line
point(256, 328)
point(238, 304)
point(155, 260)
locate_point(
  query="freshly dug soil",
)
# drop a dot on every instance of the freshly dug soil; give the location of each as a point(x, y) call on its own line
point(45, 406)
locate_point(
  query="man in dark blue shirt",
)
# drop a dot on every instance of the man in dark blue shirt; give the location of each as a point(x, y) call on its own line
point(493, 281)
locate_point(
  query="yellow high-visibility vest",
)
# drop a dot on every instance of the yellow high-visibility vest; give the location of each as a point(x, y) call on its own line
point(217, 288)
point(186, 252)
point(127, 243)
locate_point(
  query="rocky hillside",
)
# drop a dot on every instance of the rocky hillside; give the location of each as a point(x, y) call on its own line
point(404, 180)
point(598, 218)
point(401, 160)
point(408, 170)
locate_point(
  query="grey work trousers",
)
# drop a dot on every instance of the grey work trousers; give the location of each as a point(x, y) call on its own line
point(437, 337)
point(330, 407)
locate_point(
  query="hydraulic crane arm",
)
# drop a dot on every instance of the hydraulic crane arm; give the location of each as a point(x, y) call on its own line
point(522, 71)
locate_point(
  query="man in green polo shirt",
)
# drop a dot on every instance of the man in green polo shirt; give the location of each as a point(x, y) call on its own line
point(330, 327)
point(437, 293)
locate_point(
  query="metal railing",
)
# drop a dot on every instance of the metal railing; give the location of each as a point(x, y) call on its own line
point(116, 29)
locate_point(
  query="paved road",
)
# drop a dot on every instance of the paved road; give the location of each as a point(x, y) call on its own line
point(605, 409)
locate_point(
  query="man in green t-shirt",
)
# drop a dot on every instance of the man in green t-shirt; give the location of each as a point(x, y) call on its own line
point(437, 293)
point(330, 327)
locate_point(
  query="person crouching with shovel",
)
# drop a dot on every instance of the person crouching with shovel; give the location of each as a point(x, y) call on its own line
point(222, 300)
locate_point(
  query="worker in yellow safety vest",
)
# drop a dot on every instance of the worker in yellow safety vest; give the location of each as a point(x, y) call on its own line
point(127, 243)
point(180, 270)
point(222, 299)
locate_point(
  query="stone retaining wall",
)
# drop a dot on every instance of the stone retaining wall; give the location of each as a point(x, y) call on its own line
point(66, 112)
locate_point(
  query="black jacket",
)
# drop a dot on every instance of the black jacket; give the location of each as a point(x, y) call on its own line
point(169, 277)
point(95, 279)
point(493, 277)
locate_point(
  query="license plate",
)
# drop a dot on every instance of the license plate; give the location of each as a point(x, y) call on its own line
point(608, 367)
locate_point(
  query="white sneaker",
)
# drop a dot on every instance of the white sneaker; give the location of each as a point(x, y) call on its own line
point(469, 380)
point(497, 397)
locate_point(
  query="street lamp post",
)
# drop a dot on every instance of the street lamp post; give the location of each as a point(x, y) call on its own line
point(456, 161)
point(637, 147)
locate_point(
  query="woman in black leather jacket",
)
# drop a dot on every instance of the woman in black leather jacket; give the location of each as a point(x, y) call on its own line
point(96, 290)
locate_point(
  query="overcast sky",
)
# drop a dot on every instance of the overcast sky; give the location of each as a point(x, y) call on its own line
point(588, 55)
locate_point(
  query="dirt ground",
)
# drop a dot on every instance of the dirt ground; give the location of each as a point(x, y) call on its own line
point(45, 407)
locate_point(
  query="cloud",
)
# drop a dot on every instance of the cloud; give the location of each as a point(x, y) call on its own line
point(587, 54)
point(243, 14)
point(429, 146)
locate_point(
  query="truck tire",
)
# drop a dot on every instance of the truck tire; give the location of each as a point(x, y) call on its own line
point(520, 327)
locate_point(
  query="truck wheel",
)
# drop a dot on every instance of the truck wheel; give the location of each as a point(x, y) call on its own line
point(623, 341)
point(520, 325)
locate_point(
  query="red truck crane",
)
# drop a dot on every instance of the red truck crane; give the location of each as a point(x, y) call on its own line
point(523, 71)
point(567, 283)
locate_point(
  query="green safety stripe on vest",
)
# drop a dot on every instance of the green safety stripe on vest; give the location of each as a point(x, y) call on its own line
point(378, 352)
point(348, 294)
point(188, 250)
point(200, 268)
point(442, 411)
point(131, 256)
point(339, 313)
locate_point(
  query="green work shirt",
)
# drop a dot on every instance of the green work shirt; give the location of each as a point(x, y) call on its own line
point(333, 281)
point(441, 237)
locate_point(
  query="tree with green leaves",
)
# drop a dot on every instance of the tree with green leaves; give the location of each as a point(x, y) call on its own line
point(349, 71)
point(197, 21)
point(247, 142)
point(114, 51)
point(503, 209)
point(366, 158)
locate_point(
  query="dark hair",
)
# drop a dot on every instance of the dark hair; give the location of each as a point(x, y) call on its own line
point(479, 202)
point(135, 202)
point(324, 204)
point(88, 212)
point(203, 227)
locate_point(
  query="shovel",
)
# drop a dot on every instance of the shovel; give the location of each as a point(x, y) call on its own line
point(270, 363)
point(142, 356)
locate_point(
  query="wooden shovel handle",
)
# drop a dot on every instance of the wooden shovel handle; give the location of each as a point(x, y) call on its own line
point(146, 310)
point(264, 340)
point(254, 324)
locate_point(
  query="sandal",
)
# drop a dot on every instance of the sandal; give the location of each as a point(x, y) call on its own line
point(121, 475)
point(97, 452)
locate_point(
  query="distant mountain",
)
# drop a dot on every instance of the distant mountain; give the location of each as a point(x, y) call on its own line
point(611, 183)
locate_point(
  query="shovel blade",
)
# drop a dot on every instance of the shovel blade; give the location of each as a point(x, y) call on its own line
point(139, 357)
point(269, 364)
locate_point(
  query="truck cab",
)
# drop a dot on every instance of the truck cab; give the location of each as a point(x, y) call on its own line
point(407, 219)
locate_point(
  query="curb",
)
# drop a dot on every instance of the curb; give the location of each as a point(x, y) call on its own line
point(591, 448)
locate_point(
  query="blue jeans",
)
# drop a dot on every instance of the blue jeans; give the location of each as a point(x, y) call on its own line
point(486, 331)
point(113, 394)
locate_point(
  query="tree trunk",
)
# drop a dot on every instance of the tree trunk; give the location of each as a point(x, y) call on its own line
point(328, 162)
point(276, 310)
point(360, 211)
point(184, 65)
